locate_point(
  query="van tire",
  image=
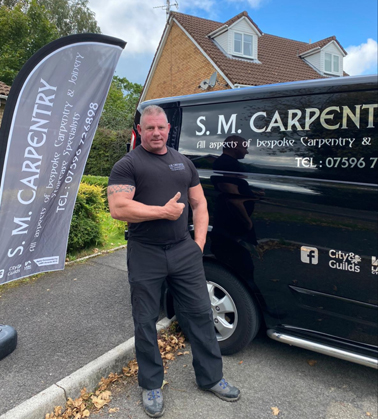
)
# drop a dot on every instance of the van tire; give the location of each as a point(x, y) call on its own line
point(241, 318)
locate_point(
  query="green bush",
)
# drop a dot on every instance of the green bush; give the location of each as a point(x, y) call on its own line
point(100, 181)
point(85, 225)
point(107, 148)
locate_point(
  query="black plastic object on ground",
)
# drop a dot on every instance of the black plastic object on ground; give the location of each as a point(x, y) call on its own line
point(8, 340)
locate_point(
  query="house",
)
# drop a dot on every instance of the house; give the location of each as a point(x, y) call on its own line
point(196, 55)
point(4, 92)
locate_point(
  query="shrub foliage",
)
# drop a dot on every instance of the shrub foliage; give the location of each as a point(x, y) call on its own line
point(85, 225)
point(107, 148)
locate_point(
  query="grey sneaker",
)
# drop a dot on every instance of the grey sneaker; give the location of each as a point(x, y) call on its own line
point(225, 391)
point(153, 403)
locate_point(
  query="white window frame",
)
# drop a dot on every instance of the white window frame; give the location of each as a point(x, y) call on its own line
point(242, 54)
point(332, 71)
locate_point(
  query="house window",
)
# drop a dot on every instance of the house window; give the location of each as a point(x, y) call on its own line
point(243, 44)
point(331, 63)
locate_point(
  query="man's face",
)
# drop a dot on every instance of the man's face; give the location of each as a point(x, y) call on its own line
point(154, 130)
point(240, 151)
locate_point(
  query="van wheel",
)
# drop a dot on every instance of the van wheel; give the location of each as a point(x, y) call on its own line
point(236, 317)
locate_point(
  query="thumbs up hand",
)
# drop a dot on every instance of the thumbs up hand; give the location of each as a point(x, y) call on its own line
point(173, 208)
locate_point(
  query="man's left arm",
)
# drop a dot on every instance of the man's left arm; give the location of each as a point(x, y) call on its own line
point(198, 203)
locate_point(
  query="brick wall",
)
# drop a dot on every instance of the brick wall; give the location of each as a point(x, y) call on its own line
point(181, 68)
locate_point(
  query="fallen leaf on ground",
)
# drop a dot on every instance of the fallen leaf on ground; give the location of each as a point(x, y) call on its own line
point(105, 382)
point(131, 370)
point(311, 362)
point(102, 399)
point(114, 410)
point(170, 341)
point(275, 411)
point(240, 362)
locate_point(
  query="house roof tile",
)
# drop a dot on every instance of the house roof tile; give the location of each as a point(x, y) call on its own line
point(278, 57)
point(4, 89)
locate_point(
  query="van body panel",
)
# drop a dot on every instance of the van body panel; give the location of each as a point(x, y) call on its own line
point(294, 216)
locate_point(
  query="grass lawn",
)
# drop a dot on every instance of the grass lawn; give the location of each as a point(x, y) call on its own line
point(114, 236)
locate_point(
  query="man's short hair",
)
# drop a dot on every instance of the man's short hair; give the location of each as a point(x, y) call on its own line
point(153, 110)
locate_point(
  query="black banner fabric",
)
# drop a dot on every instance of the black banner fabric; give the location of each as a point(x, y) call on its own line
point(49, 122)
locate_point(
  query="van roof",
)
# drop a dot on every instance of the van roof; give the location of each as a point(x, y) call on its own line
point(308, 87)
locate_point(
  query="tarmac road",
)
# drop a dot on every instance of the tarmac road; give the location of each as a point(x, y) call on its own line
point(270, 375)
point(68, 318)
point(64, 320)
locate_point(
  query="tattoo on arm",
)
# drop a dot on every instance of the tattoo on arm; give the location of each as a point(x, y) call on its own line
point(120, 188)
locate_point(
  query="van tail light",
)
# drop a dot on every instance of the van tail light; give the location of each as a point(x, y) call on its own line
point(132, 140)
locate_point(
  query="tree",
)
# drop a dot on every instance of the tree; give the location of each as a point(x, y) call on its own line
point(23, 31)
point(28, 25)
point(8, 3)
point(114, 130)
point(71, 16)
point(119, 109)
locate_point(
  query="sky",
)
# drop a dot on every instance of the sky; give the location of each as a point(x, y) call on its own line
point(141, 24)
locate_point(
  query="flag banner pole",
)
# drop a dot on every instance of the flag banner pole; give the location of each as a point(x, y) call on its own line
point(49, 122)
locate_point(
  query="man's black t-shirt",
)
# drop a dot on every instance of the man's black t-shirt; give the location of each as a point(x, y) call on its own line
point(157, 178)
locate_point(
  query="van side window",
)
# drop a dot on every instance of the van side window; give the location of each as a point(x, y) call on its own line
point(324, 136)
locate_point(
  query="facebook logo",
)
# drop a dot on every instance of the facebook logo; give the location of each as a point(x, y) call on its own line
point(309, 255)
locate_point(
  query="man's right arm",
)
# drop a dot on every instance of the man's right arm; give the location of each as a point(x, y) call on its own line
point(123, 207)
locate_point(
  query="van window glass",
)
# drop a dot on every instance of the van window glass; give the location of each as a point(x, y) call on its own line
point(325, 136)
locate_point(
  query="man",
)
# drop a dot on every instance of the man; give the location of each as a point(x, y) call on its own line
point(150, 188)
point(235, 148)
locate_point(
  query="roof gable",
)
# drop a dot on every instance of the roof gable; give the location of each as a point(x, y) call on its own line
point(242, 15)
point(254, 28)
point(308, 49)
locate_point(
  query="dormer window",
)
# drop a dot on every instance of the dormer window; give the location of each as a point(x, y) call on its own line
point(238, 39)
point(331, 63)
point(243, 44)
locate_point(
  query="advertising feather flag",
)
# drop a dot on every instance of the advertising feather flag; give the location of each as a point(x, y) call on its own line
point(49, 122)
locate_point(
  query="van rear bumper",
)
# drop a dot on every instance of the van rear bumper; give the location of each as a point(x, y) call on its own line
point(323, 349)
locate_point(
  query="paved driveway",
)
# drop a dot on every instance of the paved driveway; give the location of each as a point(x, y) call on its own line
point(270, 375)
point(64, 320)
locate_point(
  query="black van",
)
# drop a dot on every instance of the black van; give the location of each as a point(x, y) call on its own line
point(290, 173)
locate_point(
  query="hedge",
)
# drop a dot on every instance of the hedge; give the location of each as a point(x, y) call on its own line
point(102, 183)
point(85, 225)
point(107, 148)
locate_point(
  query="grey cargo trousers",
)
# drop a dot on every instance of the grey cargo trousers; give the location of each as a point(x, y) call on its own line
point(181, 265)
